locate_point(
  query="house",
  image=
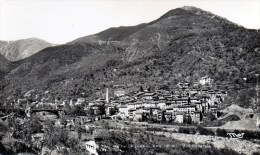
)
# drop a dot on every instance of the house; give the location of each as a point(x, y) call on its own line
point(169, 109)
point(138, 104)
point(196, 84)
point(97, 118)
point(179, 117)
point(169, 103)
point(213, 109)
point(196, 116)
point(193, 100)
point(205, 106)
point(138, 116)
point(131, 113)
point(131, 105)
point(110, 109)
point(152, 103)
point(154, 111)
point(187, 108)
point(123, 110)
point(180, 101)
point(91, 147)
point(45, 115)
point(198, 105)
point(119, 92)
point(148, 96)
point(168, 116)
point(162, 104)
point(160, 115)
point(80, 101)
point(73, 102)
point(81, 120)
point(95, 108)
point(22, 102)
point(138, 95)
point(147, 110)
point(183, 85)
point(205, 80)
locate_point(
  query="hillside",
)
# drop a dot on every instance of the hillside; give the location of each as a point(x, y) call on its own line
point(3, 62)
point(3, 67)
point(3, 43)
point(111, 34)
point(182, 45)
point(245, 123)
point(23, 48)
point(64, 66)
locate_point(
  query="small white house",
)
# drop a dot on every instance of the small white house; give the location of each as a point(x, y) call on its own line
point(91, 146)
point(205, 80)
point(80, 101)
point(179, 117)
point(119, 93)
point(123, 109)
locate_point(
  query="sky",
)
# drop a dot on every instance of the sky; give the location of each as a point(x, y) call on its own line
point(61, 21)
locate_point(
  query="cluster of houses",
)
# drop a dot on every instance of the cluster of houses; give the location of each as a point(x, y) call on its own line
point(178, 106)
point(184, 103)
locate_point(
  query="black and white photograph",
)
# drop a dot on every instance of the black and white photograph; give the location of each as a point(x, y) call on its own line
point(129, 77)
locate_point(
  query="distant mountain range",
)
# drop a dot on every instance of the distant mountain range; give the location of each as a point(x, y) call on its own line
point(182, 45)
point(20, 49)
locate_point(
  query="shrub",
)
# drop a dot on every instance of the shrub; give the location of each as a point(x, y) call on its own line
point(221, 132)
point(119, 117)
point(184, 130)
point(204, 131)
point(187, 130)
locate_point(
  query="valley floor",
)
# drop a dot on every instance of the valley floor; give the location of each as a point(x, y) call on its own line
point(239, 145)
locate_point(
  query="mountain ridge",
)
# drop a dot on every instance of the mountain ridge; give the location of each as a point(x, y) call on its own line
point(178, 46)
point(23, 48)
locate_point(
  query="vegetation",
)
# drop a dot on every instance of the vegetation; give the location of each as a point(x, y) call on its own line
point(122, 142)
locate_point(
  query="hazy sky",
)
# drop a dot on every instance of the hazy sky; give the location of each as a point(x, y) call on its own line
point(60, 21)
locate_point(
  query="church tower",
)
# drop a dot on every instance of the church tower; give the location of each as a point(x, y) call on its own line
point(107, 95)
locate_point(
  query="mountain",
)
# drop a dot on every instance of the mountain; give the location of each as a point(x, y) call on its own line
point(182, 45)
point(3, 66)
point(111, 34)
point(3, 43)
point(2, 60)
point(20, 49)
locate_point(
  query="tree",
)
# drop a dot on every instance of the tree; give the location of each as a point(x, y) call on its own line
point(112, 111)
point(89, 112)
point(63, 121)
point(221, 132)
point(141, 89)
point(80, 130)
point(30, 127)
point(188, 119)
point(102, 109)
point(211, 116)
point(57, 137)
point(67, 109)
point(78, 110)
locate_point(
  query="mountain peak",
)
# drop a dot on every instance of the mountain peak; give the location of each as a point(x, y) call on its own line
point(23, 48)
point(190, 8)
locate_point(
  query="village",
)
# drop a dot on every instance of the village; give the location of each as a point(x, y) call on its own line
point(186, 104)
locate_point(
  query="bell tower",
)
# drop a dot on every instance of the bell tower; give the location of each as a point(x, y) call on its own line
point(107, 95)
